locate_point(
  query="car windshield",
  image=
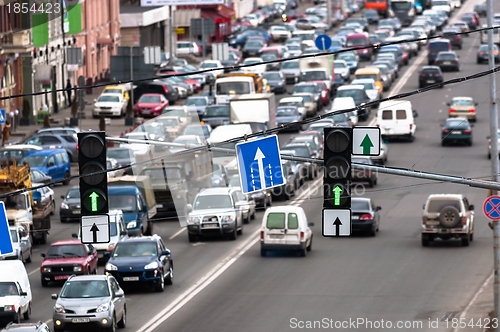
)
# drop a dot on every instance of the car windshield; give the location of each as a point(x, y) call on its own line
point(457, 123)
point(440, 3)
point(171, 123)
point(162, 173)
point(112, 91)
point(357, 42)
point(339, 64)
point(290, 65)
point(268, 57)
point(8, 289)
point(367, 85)
point(272, 76)
point(346, 57)
point(314, 75)
point(170, 112)
point(216, 111)
point(355, 94)
point(254, 43)
point(236, 88)
point(126, 203)
point(207, 65)
point(286, 111)
point(196, 101)
point(446, 56)
point(14, 202)
point(251, 61)
point(77, 250)
point(234, 182)
point(401, 5)
point(294, 47)
point(271, 52)
point(372, 76)
point(304, 88)
point(13, 235)
point(150, 99)
point(307, 99)
point(213, 202)
point(35, 161)
point(185, 140)
point(84, 289)
point(462, 102)
point(299, 151)
point(196, 130)
point(108, 99)
point(340, 118)
point(118, 154)
point(360, 205)
point(290, 103)
point(135, 249)
point(73, 193)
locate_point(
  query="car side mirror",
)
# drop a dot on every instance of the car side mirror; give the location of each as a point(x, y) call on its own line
point(378, 208)
point(23, 294)
point(310, 224)
point(119, 293)
point(95, 100)
point(448, 104)
point(50, 165)
point(74, 235)
point(471, 125)
point(90, 253)
point(165, 252)
point(415, 114)
point(488, 137)
point(240, 203)
point(471, 207)
point(43, 255)
point(423, 207)
point(54, 296)
point(189, 207)
point(62, 196)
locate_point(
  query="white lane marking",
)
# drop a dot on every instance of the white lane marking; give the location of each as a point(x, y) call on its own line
point(178, 232)
point(33, 272)
point(464, 313)
point(213, 274)
point(48, 321)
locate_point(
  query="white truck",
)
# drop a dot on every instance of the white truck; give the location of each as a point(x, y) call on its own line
point(319, 68)
point(238, 83)
point(254, 109)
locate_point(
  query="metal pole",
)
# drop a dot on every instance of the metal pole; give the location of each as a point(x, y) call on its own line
point(494, 161)
point(329, 13)
point(131, 76)
point(203, 37)
point(171, 30)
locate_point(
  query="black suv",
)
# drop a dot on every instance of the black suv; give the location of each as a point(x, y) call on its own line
point(430, 75)
point(27, 327)
point(157, 86)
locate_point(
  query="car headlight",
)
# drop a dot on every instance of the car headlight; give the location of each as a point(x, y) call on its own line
point(59, 309)
point(193, 220)
point(102, 307)
point(64, 206)
point(217, 181)
point(110, 267)
point(152, 265)
point(178, 196)
point(111, 246)
point(227, 218)
point(77, 268)
point(132, 224)
point(46, 269)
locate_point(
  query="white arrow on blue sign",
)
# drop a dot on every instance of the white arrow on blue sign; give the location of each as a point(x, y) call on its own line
point(6, 246)
point(259, 164)
point(323, 42)
point(2, 116)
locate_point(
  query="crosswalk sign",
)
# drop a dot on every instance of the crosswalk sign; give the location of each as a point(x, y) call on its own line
point(2, 115)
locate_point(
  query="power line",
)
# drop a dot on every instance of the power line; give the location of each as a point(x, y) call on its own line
point(232, 68)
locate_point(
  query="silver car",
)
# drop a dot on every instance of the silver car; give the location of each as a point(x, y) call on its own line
point(21, 244)
point(91, 300)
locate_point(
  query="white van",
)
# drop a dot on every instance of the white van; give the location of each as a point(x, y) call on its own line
point(396, 119)
point(285, 228)
point(224, 133)
point(15, 291)
point(345, 103)
point(117, 232)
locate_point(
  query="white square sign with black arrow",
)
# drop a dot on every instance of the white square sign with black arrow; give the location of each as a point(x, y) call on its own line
point(336, 222)
point(95, 229)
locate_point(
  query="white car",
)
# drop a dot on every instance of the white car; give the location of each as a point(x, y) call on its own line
point(258, 69)
point(279, 33)
point(215, 65)
point(442, 5)
point(370, 88)
point(188, 140)
point(187, 48)
point(109, 104)
point(253, 19)
point(341, 67)
point(137, 148)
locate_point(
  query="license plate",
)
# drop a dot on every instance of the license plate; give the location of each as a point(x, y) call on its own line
point(430, 81)
point(456, 132)
point(276, 236)
point(355, 218)
point(447, 63)
point(61, 277)
point(211, 226)
point(131, 279)
point(80, 320)
point(146, 112)
point(100, 255)
point(159, 206)
point(76, 212)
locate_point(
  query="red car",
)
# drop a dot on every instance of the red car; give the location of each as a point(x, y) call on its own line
point(291, 17)
point(325, 92)
point(150, 105)
point(65, 258)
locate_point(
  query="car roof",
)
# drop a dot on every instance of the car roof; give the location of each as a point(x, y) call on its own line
point(90, 277)
point(360, 199)
point(44, 152)
point(154, 237)
point(284, 209)
point(462, 98)
point(65, 242)
point(215, 191)
point(443, 196)
point(351, 86)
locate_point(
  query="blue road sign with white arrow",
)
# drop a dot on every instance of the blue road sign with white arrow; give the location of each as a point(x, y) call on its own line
point(259, 164)
point(323, 42)
point(2, 115)
point(6, 246)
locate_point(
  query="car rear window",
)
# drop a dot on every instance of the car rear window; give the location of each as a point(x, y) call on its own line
point(438, 46)
point(400, 114)
point(437, 205)
point(275, 221)
point(293, 221)
point(387, 115)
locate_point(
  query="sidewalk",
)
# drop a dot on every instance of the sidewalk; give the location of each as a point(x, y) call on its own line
point(115, 128)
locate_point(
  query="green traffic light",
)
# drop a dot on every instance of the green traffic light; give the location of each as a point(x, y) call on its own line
point(93, 201)
point(337, 191)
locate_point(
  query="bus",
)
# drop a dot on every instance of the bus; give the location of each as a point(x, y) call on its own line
point(381, 6)
point(404, 10)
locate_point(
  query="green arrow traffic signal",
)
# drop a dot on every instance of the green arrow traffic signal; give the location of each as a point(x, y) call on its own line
point(336, 195)
point(93, 201)
point(366, 144)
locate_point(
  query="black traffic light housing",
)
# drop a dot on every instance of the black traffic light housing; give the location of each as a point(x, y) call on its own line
point(337, 168)
point(92, 159)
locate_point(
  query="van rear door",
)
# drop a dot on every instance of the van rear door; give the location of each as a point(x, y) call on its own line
point(401, 122)
point(275, 228)
point(292, 233)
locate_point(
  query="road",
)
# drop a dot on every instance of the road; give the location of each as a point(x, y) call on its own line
point(227, 286)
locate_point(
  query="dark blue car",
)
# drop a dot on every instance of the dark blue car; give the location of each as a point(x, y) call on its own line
point(242, 38)
point(143, 260)
point(53, 162)
point(288, 114)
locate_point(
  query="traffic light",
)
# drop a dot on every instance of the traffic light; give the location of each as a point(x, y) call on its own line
point(92, 159)
point(337, 168)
